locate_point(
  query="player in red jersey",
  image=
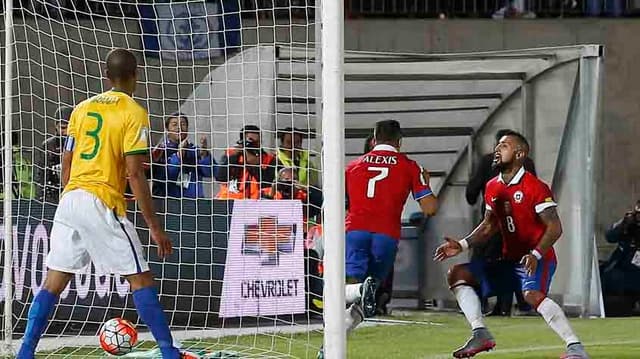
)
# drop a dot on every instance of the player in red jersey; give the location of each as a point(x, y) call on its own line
point(378, 185)
point(522, 207)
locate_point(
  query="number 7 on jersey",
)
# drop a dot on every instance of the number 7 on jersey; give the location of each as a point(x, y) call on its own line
point(383, 172)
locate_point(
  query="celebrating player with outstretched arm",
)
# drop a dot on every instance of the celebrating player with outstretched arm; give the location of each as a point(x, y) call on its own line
point(522, 207)
point(108, 138)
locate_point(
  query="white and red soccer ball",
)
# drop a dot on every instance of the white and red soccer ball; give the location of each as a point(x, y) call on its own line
point(118, 336)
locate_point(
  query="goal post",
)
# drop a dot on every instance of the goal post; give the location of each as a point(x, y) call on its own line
point(333, 164)
point(7, 325)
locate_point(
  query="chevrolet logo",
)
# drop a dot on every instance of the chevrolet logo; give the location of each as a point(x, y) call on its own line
point(268, 239)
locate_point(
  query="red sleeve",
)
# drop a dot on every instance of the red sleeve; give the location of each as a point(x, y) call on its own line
point(347, 170)
point(419, 187)
point(489, 196)
point(542, 197)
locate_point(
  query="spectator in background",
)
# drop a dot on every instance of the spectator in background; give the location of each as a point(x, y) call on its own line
point(621, 272)
point(491, 251)
point(291, 154)
point(514, 9)
point(288, 187)
point(49, 163)
point(613, 8)
point(22, 185)
point(246, 168)
point(178, 166)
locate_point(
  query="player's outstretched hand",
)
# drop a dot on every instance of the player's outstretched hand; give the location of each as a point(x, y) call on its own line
point(163, 242)
point(530, 263)
point(450, 248)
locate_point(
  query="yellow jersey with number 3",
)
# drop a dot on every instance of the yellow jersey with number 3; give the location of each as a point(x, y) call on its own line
point(102, 131)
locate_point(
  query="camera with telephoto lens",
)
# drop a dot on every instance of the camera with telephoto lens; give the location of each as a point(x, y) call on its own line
point(631, 224)
point(249, 145)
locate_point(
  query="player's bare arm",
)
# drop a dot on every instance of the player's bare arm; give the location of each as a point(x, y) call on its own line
point(67, 156)
point(553, 232)
point(452, 247)
point(554, 228)
point(140, 188)
point(429, 205)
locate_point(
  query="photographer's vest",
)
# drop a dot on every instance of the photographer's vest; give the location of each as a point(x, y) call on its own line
point(247, 187)
point(302, 168)
point(22, 181)
point(269, 193)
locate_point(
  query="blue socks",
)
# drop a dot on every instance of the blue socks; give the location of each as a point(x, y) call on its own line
point(39, 312)
point(151, 313)
point(147, 304)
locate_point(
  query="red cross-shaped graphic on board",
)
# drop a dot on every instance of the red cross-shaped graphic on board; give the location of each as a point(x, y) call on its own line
point(267, 237)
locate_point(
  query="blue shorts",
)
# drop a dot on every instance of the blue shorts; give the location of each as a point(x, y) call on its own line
point(369, 254)
point(503, 277)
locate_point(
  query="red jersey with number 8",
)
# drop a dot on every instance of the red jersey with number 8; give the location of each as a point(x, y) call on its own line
point(517, 206)
point(378, 185)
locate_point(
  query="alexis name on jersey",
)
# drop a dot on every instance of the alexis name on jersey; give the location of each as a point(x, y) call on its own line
point(380, 160)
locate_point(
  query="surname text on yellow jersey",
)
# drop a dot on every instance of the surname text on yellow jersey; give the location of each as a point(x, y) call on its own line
point(105, 99)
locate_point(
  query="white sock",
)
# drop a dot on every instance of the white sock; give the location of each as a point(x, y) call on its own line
point(352, 292)
point(470, 305)
point(353, 317)
point(554, 316)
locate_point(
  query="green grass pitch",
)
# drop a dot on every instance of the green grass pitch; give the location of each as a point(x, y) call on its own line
point(518, 337)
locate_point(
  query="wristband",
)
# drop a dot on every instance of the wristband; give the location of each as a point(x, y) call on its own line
point(536, 253)
point(464, 244)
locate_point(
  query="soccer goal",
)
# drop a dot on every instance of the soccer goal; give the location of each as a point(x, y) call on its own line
point(245, 277)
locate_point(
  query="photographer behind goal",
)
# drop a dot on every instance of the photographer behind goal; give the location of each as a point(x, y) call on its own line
point(246, 168)
point(621, 272)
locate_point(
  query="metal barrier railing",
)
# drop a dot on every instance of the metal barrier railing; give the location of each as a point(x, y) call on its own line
point(367, 8)
point(487, 8)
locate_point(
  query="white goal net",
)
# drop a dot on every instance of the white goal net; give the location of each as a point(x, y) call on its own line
point(243, 279)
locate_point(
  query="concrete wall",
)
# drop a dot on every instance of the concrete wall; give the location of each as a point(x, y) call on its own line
point(621, 99)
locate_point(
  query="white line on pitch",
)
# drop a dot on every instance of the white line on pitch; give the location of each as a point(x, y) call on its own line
point(542, 347)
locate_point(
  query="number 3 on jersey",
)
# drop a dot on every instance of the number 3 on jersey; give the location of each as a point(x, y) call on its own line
point(383, 172)
point(511, 225)
point(93, 134)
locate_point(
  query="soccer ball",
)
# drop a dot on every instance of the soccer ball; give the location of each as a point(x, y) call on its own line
point(118, 336)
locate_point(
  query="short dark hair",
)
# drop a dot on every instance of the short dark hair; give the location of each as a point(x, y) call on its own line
point(501, 133)
point(178, 115)
point(388, 131)
point(519, 137)
point(290, 131)
point(368, 145)
point(121, 64)
point(249, 129)
point(63, 114)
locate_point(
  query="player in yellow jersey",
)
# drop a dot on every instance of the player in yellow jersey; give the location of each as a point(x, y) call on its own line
point(107, 139)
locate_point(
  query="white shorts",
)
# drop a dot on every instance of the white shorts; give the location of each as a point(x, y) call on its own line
point(85, 230)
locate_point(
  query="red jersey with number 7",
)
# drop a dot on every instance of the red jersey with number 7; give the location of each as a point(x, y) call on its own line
point(378, 185)
point(517, 206)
